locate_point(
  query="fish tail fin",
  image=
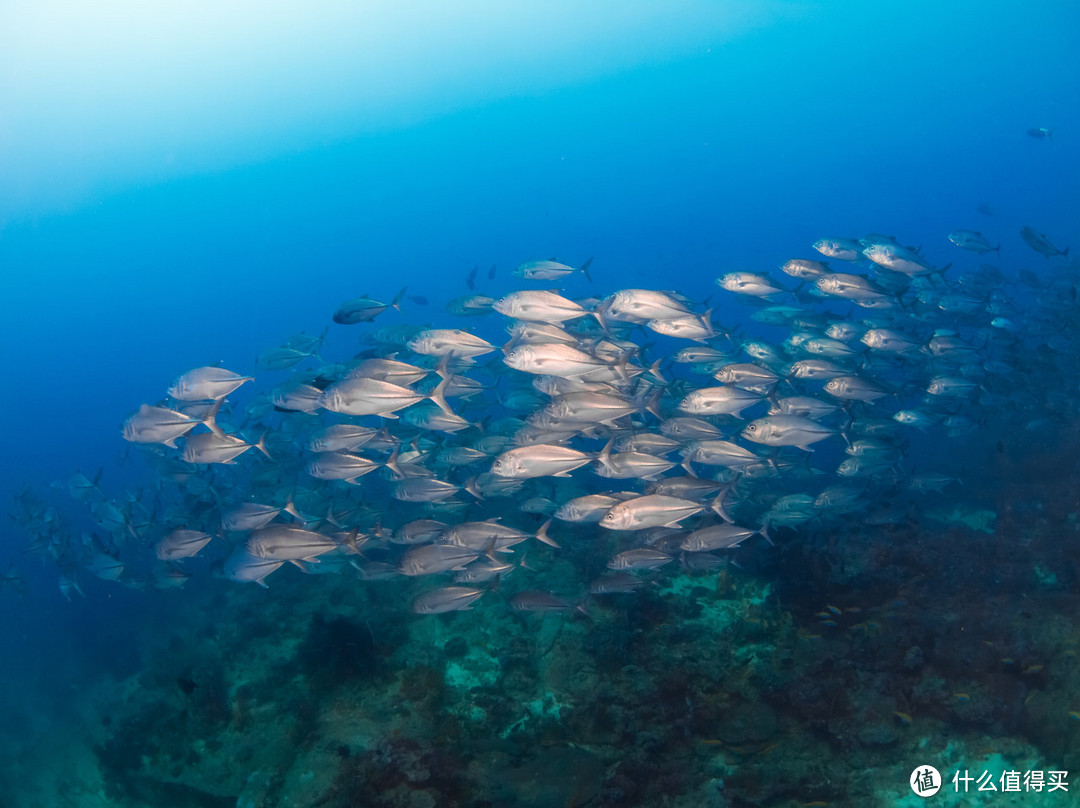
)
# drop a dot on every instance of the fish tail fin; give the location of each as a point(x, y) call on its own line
point(473, 488)
point(605, 453)
point(396, 304)
point(764, 531)
point(707, 324)
point(442, 367)
point(438, 395)
point(585, 269)
point(654, 371)
point(290, 508)
point(392, 464)
point(542, 535)
point(600, 313)
point(718, 508)
point(647, 400)
point(211, 419)
point(580, 606)
point(260, 444)
point(350, 540)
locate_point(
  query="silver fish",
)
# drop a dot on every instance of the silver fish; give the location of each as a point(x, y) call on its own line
point(549, 270)
point(650, 510)
point(429, 559)
point(446, 599)
point(206, 383)
point(786, 430)
point(539, 460)
point(181, 543)
point(972, 240)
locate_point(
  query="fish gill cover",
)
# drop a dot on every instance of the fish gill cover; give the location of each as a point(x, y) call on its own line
point(516, 404)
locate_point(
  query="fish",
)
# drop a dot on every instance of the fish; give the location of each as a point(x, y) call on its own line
point(692, 326)
point(423, 489)
point(972, 240)
point(449, 342)
point(748, 283)
point(340, 437)
point(244, 567)
point(850, 287)
point(430, 559)
point(1041, 244)
point(549, 270)
point(205, 383)
point(601, 410)
point(840, 249)
point(364, 309)
point(642, 558)
point(252, 515)
point(281, 358)
point(1040, 133)
point(288, 543)
point(649, 510)
point(631, 465)
point(153, 424)
point(722, 453)
point(747, 376)
point(489, 536)
point(446, 599)
point(716, 537)
point(535, 600)
point(564, 361)
point(640, 305)
point(899, 259)
point(181, 543)
point(539, 460)
point(342, 466)
point(615, 583)
point(368, 396)
point(211, 447)
point(471, 305)
point(804, 269)
point(854, 388)
point(787, 430)
point(587, 509)
point(539, 307)
point(719, 401)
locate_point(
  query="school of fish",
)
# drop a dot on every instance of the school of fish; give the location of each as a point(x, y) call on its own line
point(635, 431)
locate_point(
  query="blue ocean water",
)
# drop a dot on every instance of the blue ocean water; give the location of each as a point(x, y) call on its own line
point(189, 186)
